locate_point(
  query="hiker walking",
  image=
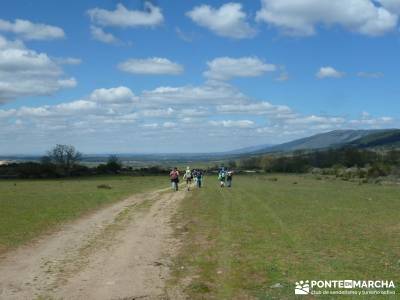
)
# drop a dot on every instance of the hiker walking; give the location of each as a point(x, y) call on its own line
point(203, 174)
point(188, 177)
point(199, 178)
point(222, 177)
point(229, 176)
point(174, 176)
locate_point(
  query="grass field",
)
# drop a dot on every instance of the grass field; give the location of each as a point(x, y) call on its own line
point(31, 207)
point(239, 242)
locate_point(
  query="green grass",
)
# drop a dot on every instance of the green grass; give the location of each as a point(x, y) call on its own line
point(239, 242)
point(31, 207)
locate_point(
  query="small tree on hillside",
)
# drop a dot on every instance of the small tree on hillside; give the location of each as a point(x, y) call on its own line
point(65, 157)
point(114, 164)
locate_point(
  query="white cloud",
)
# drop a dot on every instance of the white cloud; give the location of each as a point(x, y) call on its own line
point(301, 17)
point(25, 72)
point(100, 35)
point(233, 123)
point(211, 93)
point(150, 125)
point(124, 119)
point(373, 121)
point(391, 5)
point(151, 66)
point(122, 17)
point(85, 122)
point(374, 75)
point(33, 112)
point(367, 119)
point(229, 20)
point(67, 83)
point(32, 31)
point(157, 113)
point(169, 125)
point(257, 108)
point(79, 105)
point(116, 95)
point(193, 112)
point(225, 68)
point(313, 119)
point(7, 113)
point(329, 72)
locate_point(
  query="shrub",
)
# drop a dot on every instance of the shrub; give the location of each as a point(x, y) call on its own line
point(378, 170)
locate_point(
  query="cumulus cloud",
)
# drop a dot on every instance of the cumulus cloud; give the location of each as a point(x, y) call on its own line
point(233, 123)
point(74, 106)
point(123, 17)
point(151, 66)
point(367, 120)
point(328, 72)
point(210, 93)
point(313, 119)
point(25, 72)
point(220, 124)
point(101, 102)
point(100, 35)
point(229, 20)
point(27, 30)
point(116, 95)
point(123, 119)
point(150, 125)
point(7, 113)
point(158, 113)
point(169, 125)
point(301, 17)
point(257, 108)
point(225, 68)
point(33, 112)
point(67, 83)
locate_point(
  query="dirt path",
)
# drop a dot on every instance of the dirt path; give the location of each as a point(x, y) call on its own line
point(120, 252)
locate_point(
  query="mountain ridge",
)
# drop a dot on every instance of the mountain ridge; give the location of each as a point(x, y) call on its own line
point(338, 138)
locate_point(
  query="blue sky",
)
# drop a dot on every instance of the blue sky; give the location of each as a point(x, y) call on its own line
point(193, 76)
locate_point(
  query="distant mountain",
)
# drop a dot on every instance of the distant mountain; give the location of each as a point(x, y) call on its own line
point(338, 138)
point(247, 149)
point(389, 138)
point(384, 138)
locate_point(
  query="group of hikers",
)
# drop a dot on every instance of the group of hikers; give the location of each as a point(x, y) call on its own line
point(197, 175)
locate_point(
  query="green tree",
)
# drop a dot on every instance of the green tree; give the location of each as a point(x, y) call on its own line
point(65, 157)
point(114, 164)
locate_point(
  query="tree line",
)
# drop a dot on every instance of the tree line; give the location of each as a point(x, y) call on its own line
point(373, 162)
point(65, 161)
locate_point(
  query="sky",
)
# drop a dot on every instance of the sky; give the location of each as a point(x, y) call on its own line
point(193, 76)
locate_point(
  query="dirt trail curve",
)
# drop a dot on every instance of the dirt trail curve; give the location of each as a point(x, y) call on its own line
point(119, 252)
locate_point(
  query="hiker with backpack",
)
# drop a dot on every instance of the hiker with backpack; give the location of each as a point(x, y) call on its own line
point(199, 178)
point(174, 176)
point(188, 177)
point(222, 177)
point(229, 176)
